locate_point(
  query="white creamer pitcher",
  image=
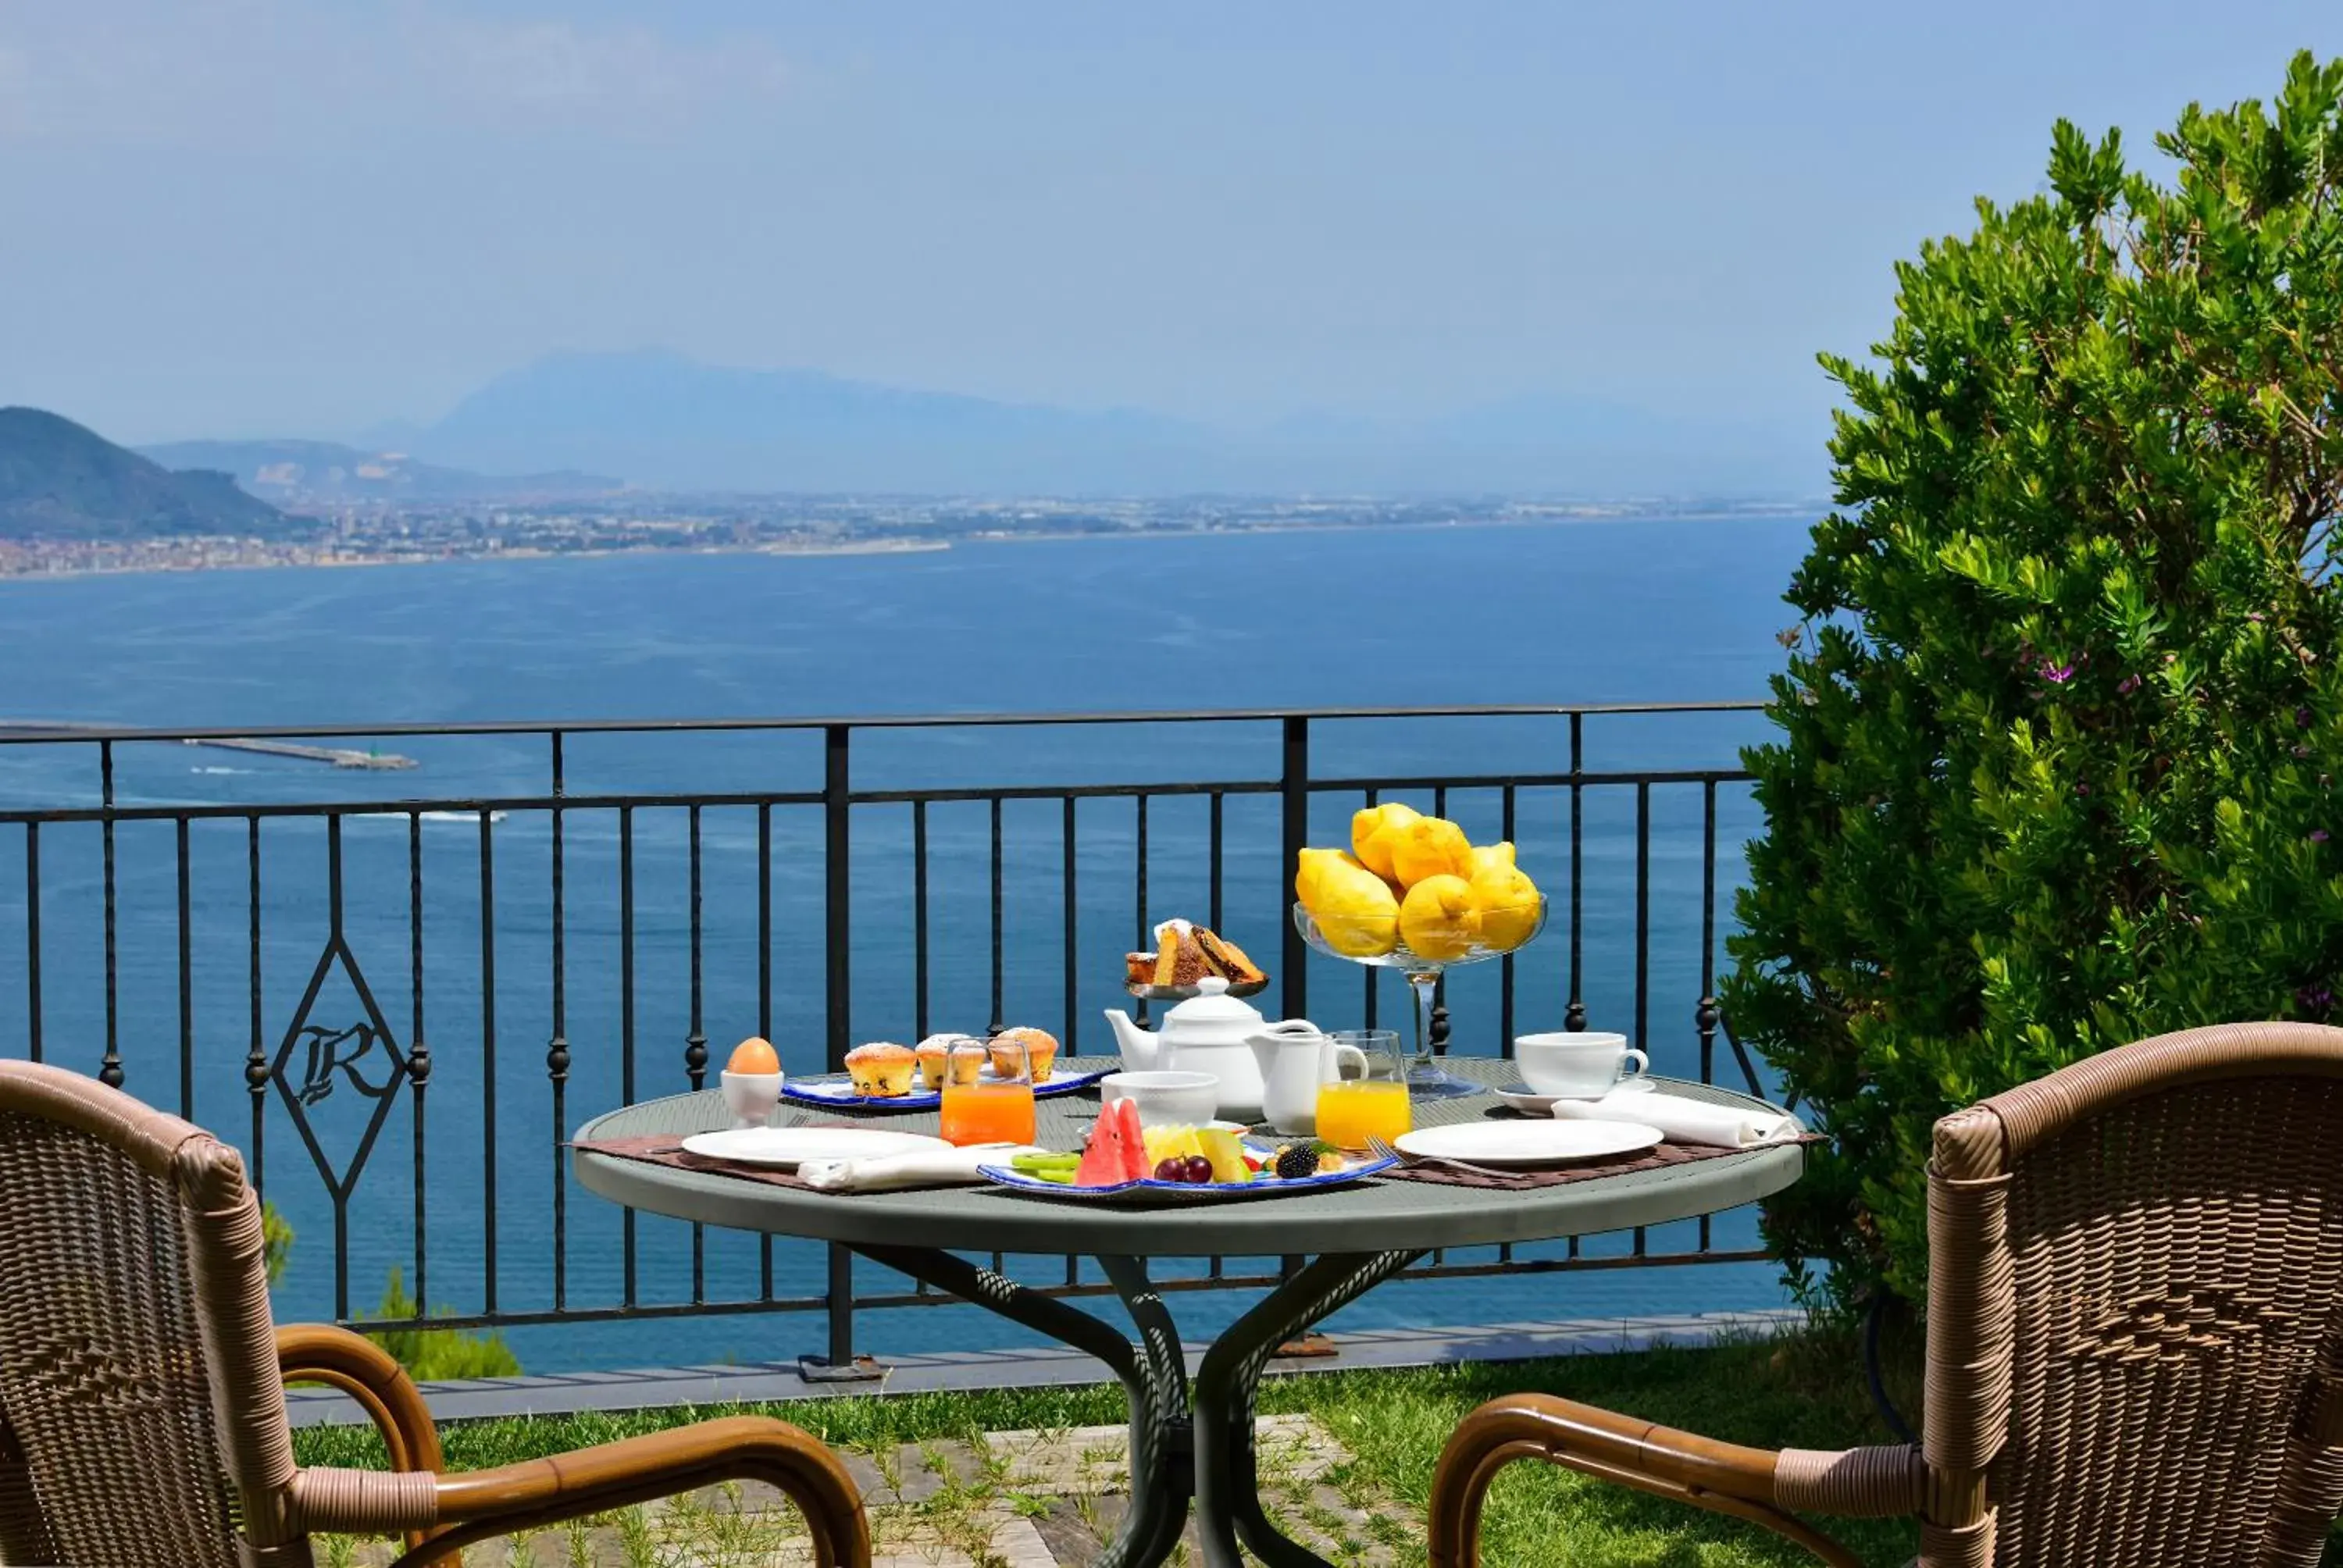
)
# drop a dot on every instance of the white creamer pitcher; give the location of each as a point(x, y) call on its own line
point(1295, 1056)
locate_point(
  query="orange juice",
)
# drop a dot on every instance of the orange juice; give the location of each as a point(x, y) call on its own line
point(986, 1113)
point(1352, 1112)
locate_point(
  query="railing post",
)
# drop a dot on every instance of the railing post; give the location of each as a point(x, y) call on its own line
point(838, 807)
point(1293, 794)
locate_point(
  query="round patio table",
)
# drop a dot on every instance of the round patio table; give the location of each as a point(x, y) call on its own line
point(1184, 1444)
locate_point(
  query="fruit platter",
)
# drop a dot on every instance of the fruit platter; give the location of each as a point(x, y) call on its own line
point(1185, 953)
point(1122, 1162)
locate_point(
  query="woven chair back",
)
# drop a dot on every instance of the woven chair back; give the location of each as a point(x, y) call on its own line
point(2136, 1296)
point(140, 1403)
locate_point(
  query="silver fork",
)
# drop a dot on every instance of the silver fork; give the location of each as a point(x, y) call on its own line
point(1383, 1151)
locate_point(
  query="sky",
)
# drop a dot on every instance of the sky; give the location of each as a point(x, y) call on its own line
point(258, 217)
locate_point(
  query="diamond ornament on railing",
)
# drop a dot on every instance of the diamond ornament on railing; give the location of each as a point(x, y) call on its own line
point(317, 1060)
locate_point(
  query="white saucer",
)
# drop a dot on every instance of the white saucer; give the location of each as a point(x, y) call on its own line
point(1528, 1145)
point(1529, 1102)
point(784, 1148)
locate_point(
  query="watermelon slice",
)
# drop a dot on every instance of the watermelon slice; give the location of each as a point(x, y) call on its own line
point(1133, 1141)
point(1105, 1161)
point(1102, 1162)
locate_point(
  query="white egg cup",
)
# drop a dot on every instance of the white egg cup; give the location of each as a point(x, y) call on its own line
point(751, 1097)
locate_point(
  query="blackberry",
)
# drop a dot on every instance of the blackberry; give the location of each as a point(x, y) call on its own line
point(1296, 1161)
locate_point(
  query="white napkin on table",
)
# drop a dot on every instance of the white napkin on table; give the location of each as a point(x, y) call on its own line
point(919, 1168)
point(1682, 1120)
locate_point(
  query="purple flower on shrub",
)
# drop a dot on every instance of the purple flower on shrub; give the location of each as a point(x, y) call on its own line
point(2057, 674)
point(2314, 998)
point(2082, 789)
point(2255, 616)
point(2319, 835)
point(2302, 718)
point(2127, 685)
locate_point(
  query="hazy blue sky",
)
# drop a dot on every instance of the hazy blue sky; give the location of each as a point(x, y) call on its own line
point(258, 217)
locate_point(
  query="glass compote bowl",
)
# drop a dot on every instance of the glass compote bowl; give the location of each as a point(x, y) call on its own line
point(1424, 1077)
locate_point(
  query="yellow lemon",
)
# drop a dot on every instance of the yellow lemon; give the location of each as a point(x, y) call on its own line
point(1354, 908)
point(1438, 918)
point(1429, 846)
point(1371, 830)
point(1484, 856)
point(1312, 865)
point(1508, 902)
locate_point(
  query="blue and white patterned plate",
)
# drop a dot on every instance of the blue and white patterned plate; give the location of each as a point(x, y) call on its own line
point(1152, 1194)
point(835, 1089)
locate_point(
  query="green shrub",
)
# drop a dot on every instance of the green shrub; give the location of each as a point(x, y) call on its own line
point(275, 1241)
point(430, 1354)
point(2061, 724)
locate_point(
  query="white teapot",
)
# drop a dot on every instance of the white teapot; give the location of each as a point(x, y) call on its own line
point(1210, 1032)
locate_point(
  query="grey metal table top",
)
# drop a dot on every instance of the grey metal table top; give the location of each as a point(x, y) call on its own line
point(1370, 1216)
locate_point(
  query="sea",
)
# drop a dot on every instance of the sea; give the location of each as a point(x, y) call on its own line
point(1658, 610)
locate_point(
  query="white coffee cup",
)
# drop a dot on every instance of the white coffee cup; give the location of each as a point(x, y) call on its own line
point(1581, 1065)
point(1165, 1099)
point(751, 1097)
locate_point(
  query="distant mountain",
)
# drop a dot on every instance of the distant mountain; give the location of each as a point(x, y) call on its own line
point(61, 482)
point(672, 423)
point(293, 472)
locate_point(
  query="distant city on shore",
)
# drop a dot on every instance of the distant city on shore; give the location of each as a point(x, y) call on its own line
point(395, 532)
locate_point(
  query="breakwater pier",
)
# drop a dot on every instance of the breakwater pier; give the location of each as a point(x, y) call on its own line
point(371, 760)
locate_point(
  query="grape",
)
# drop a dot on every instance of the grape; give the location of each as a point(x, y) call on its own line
point(1200, 1169)
point(1171, 1168)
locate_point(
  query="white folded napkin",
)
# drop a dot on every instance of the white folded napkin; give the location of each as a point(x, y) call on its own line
point(1682, 1119)
point(921, 1167)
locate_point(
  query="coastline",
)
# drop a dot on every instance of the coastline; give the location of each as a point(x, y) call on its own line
point(361, 562)
point(876, 546)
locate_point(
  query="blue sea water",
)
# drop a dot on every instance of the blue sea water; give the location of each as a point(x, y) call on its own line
point(1582, 612)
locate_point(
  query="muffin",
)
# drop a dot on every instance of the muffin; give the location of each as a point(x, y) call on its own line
point(881, 1070)
point(1040, 1049)
point(958, 1057)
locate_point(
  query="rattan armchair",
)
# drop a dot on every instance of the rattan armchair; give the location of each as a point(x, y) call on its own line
point(142, 1387)
point(2135, 1350)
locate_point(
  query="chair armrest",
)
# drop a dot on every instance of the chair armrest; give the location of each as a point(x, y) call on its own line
point(363, 1500)
point(474, 1505)
point(329, 1354)
point(1749, 1484)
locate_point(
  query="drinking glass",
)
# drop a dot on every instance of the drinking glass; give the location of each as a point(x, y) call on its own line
point(1375, 1104)
point(995, 1106)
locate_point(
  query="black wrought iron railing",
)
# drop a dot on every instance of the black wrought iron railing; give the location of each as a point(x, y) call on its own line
point(204, 934)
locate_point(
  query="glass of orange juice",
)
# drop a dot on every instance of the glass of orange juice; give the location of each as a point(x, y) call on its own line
point(1374, 1104)
point(993, 1104)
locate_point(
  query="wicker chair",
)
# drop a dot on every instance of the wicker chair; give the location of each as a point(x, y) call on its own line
point(2134, 1335)
point(142, 1391)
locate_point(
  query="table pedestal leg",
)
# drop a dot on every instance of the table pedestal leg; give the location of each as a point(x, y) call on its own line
point(1210, 1458)
point(1228, 1486)
point(1154, 1380)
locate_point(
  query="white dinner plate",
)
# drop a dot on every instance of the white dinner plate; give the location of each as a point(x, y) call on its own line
point(783, 1148)
point(1528, 1145)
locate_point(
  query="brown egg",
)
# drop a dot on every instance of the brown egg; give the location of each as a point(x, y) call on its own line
point(754, 1055)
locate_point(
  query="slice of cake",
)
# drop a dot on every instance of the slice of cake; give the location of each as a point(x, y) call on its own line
point(1227, 959)
point(1139, 968)
point(1179, 957)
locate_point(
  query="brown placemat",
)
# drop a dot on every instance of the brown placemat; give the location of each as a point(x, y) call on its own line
point(667, 1148)
point(1658, 1159)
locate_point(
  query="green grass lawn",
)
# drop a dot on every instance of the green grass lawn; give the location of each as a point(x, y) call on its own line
point(1803, 1392)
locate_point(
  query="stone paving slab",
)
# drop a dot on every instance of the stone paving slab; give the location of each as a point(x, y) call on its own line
point(1030, 1499)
